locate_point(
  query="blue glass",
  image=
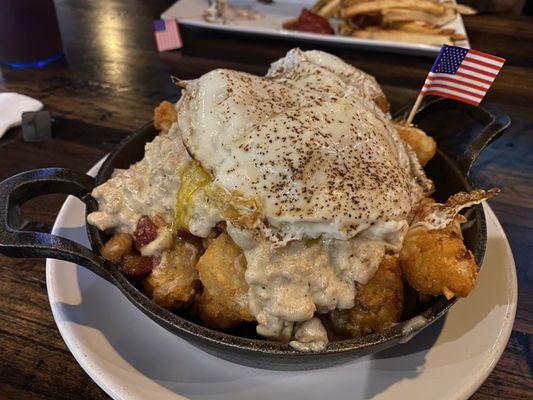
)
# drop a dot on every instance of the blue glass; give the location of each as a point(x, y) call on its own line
point(29, 33)
point(35, 64)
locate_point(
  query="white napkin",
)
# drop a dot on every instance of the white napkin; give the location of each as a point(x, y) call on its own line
point(12, 105)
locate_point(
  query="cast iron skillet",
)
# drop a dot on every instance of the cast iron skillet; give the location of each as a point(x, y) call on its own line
point(446, 120)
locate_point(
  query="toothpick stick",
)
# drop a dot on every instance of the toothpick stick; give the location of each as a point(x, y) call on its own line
point(414, 109)
point(179, 82)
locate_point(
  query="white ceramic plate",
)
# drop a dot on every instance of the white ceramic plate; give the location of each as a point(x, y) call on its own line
point(131, 357)
point(189, 12)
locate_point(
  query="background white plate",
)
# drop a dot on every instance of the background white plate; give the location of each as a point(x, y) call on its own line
point(189, 12)
point(131, 357)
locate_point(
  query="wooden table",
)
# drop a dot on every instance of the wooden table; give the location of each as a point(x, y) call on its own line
point(110, 82)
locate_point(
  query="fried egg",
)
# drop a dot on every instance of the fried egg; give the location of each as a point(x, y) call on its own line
point(307, 142)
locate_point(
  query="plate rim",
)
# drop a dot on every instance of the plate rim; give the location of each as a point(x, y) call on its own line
point(107, 381)
point(339, 40)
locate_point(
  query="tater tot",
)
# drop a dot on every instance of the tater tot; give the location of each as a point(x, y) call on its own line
point(434, 259)
point(173, 282)
point(117, 247)
point(223, 303)
point(378, 304)
point(165, 115)
point(423, 145)
point(437, 262)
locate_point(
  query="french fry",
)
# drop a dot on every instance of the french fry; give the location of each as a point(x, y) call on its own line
point(347, 3)
point(447, 31)
point(330, 9)
point(380, 5)
point(401, 15)
point(318, 5)
point(459, 8)
point(421, 23)
point(457, 37)
point(401, 36)
point(465, 10)
point(417, 26)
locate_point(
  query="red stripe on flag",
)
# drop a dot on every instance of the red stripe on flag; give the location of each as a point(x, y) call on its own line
point(451, 96)
point(484, 64)
point(455, 89)
point(475, 78)
point(462, 83)
point(489, 56)
point(479, 71)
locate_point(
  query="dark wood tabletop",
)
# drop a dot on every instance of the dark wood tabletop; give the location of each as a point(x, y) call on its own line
point(108, 85)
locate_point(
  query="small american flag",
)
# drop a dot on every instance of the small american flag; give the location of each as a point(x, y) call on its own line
point(167, 35)
point(462, 74)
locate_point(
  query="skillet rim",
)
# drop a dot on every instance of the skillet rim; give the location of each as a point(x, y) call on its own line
point(399, 332)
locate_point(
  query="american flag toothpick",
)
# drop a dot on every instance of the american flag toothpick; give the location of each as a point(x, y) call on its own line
point(167, 35)
point(460, 74)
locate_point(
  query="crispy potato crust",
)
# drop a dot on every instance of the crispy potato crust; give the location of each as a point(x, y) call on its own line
point(174, 282)
point(382, 103)
point(117, 247)
point(453, 205)
point(423, 145)
point(223, 303)
point(165, 115)
point(378, 304)
point(437, 262)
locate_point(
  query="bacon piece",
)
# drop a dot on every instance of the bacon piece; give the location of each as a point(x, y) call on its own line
point(145, 233)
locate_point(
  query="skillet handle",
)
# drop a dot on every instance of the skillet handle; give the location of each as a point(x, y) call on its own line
point(490, 125)
point(15, 242)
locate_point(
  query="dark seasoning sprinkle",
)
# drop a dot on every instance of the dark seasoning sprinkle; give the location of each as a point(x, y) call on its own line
point(308, 169)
